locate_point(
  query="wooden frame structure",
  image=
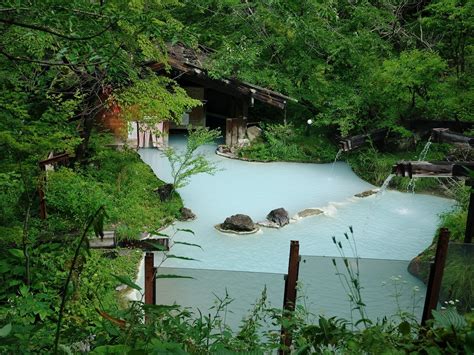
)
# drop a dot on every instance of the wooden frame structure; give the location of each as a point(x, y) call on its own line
point(187, 67)
point(414, 169)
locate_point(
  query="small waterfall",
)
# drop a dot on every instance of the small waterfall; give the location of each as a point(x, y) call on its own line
point(425, 150)
point(385, 184)
point(421, 157)
point(338, 155)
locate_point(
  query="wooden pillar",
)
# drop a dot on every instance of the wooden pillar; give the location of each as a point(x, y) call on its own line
point(228, 132)
point(436, 275)
point(289, 298)
point(138, 135)
point(150, 284)
point(242, 127)
point(166, 133)
point(235, 131)
point(470, 215)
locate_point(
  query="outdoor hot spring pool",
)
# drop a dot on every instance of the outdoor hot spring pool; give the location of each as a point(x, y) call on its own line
point(389, 228)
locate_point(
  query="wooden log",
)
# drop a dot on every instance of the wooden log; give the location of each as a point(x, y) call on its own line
point(289, 299)
point(433, 168)
point(436, 275)
point(53, 160)
point(354, 142)
point(444, 135)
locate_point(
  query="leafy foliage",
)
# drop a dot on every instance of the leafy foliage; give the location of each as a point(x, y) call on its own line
point(188, 163)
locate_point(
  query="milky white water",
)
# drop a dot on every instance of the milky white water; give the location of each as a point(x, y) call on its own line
point(392, 225)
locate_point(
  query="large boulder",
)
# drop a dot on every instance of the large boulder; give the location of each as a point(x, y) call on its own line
point(253, 133)
point(238, 223)
point(165, 191)
point(279, 216)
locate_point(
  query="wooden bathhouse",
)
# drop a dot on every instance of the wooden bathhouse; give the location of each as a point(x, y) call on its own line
point(226, 102)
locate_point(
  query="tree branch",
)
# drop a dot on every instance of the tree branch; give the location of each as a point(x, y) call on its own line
point(47, 30)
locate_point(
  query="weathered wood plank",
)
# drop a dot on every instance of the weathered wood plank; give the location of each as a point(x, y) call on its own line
point(235, 131)
point(228, 132)
point(444, 135)
point(354, 142)
point(432, 168)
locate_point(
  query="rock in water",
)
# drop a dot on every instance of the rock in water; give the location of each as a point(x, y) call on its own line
point(309, 212)
point(165, 192)
point(366, 193)
point(253, 133)
point(239, 223)
point(186, 214)
point(279, 216)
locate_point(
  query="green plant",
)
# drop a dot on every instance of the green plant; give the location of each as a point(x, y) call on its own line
point(189, 163)
point(350, 277)
point(97, 221)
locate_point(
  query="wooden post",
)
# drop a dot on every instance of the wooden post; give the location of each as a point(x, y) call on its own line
point(289, 298)
point(436, 275)
point(235, 131)
point(138, 135)
point(242, 125)
point(228, 132)
point(149, 278)
point(470, 215)
point(166, 133)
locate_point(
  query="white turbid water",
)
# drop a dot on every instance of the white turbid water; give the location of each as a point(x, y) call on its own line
point(400, 225)
point(389, 225)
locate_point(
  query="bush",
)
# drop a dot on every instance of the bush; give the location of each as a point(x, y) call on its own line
point(284, 142)
point(74, 197)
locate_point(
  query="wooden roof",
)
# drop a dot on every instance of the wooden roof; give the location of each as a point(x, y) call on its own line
point(190, 64)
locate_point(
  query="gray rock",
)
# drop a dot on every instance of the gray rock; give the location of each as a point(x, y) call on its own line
point(365, 193)
point(165, 191)
point(253, 133)
point(279, 216)
point(309, 212)
point(186, 214)
point(239, 223)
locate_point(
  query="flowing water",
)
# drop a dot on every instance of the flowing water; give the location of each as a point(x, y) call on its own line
point(336, 158)
point(385, 184)
point(424, 152)
point(401, 225)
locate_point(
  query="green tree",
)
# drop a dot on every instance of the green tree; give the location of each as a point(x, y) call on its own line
point(189, 163)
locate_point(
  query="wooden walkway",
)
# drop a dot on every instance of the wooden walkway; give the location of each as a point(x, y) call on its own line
point(108, 242)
